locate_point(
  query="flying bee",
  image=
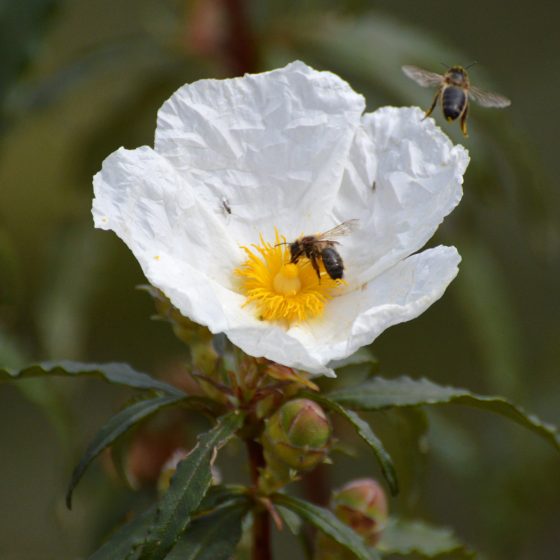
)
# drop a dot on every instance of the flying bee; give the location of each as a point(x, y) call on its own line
point(321, 247)
point(454, 91)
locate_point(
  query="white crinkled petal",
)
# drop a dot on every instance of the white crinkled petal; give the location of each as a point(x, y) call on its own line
point(267, 143)
point(400, 294)
point(182, 247)
point(417, 173)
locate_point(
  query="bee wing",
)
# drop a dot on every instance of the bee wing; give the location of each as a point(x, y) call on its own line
point(422, 77)
point(488, 98)
point(337, 231)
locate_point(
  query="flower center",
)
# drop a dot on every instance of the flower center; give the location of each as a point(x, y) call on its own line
point(280, 290)
point(286, 281)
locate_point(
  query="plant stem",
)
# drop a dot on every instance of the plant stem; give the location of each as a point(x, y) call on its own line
point(261, 517)
point(240, 51)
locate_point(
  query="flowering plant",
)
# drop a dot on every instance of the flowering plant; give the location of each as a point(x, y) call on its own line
point(234, 217)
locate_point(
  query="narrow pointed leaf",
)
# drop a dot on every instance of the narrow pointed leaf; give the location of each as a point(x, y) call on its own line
point(113, 429)
point(380, 393)
point(211, 537)
point(327, 522)
point(125, 539)
point(120, 374)
point(188, 487)
point(291, 519)
point(364, 430)
point(416, 537)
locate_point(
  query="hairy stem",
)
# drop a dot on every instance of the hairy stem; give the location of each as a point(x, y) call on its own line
point(261, 517)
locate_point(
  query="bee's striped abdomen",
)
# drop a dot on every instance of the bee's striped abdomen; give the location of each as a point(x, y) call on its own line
point(453, 102)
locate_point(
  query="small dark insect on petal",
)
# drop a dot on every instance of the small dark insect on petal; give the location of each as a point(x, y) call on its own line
point(225, 205)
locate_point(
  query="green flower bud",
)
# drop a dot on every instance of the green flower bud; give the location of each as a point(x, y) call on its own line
point(362, 505)
point(298, 434)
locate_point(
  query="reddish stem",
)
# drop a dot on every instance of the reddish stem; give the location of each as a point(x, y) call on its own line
point(240, 48)
point(261, 517)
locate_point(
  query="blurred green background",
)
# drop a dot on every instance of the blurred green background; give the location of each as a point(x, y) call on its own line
point(79, 78)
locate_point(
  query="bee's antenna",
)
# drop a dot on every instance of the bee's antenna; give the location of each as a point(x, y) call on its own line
point(446, 66)
point(471, 64)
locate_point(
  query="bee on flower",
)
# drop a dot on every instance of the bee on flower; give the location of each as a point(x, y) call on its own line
point(294, 154)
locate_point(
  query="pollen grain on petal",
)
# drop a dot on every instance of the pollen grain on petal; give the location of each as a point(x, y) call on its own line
point(280, 290)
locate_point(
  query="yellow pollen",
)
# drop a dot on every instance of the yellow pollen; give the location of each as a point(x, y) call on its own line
point(280, 290)
point(287, 281)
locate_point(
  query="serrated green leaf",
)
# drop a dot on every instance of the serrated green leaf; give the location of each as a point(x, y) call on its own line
point(364, 430)
point(380, 393)
point(327, 522)
point(119, 374)
point(187, 489)
point(211, 537)
point(113, 429)
point(125, 539)
point(416, 537)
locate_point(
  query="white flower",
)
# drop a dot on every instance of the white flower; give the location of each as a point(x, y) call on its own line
point(269, 157)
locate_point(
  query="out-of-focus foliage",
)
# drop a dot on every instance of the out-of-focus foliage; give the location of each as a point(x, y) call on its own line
point(79, 79)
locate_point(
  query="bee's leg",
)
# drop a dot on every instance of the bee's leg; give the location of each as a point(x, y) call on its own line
point(464, 122)
point(315, 265)
point(430, 110)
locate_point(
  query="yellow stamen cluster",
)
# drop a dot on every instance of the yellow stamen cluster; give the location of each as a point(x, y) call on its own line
point(280, 290)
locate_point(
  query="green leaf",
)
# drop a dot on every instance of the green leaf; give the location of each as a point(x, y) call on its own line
point(119, 374)
point(125, 539)
point(188, 487)
point(291, 519)
point(364, 430)
point(327, 522)
point(116, 427)
point(211, 537)
point(416, 537)
point(380, 393)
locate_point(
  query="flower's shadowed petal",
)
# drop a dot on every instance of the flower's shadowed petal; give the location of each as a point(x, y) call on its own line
point(273, 145)
point(399, 294)
point(404, 176)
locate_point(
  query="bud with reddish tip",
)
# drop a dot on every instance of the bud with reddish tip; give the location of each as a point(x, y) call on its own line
point(298, 435)
point(362, 505)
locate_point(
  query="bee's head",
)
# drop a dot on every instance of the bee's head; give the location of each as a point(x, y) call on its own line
point(457, 75)
point(295, 246)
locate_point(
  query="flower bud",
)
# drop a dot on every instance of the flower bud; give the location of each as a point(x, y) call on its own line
point(298, 434)
point(362, 505)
